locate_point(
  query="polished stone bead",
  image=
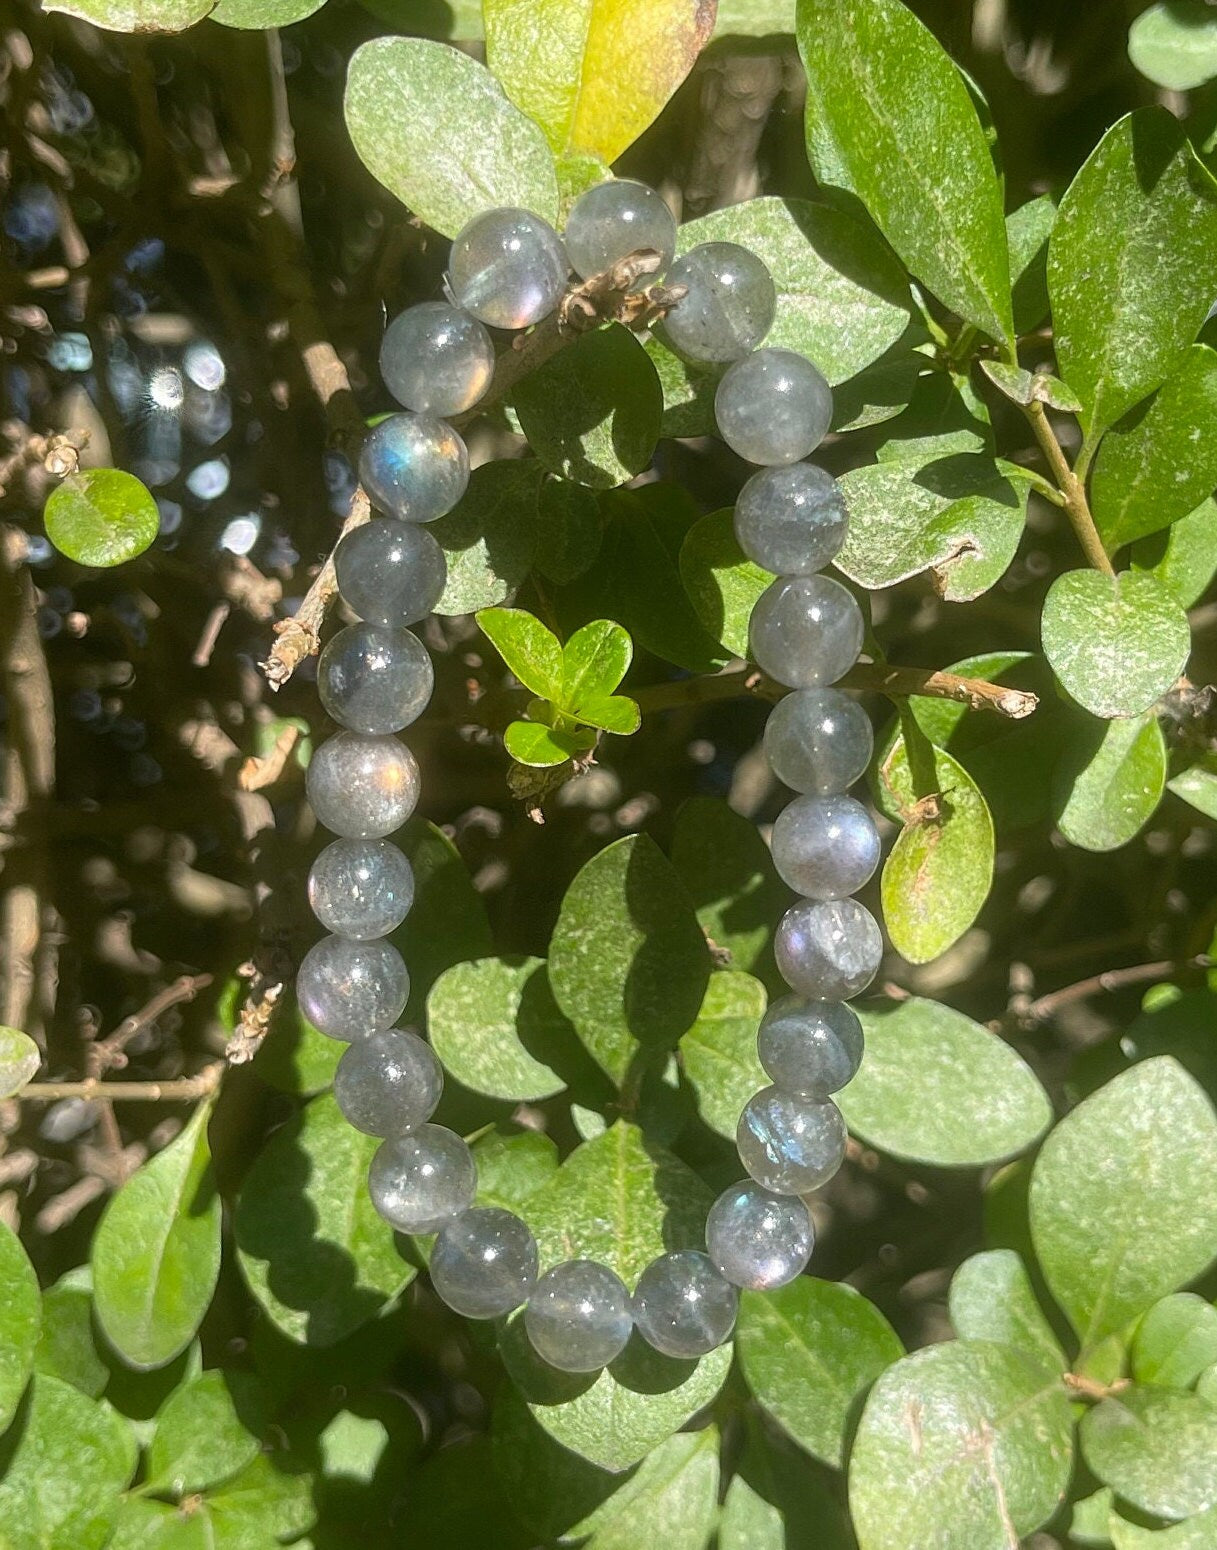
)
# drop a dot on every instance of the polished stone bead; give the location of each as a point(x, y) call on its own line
point(825, 847)
point(812, 1047)
point(374, 679)
point(414, 467)
point(730, 303)
point(806, 631)
point(423, 1178)
point(436, 359)
point(350, 989)
point(613, 220)
point(390, 573)
point(578, 1317)
point(508, 268)
point(484, 1263)
point(773, 407)
point(829, 949)
point(757, 1239)
point(791, 521)
point(361, 888)
point(818, 740)
point(790, 1143)
point(682, 1306)
point(388, 1083)
point(362, 787)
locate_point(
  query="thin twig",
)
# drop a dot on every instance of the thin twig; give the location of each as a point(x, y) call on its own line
point(110, 1052)
point(1046, 1007)
point(1077, 507)
point(182, 1089)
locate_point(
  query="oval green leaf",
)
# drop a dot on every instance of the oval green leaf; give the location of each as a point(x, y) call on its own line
point(1175, 1342)
point(729, 872)
point(1182, 556)
point(1107, 788)
point(66, 1345)
point(495, 1025)
point(101, 517)
point(719, 1052)
point(254, 15)
point(206, 1432)
point(20, 1058)
point(721, 583)
point(136, 15)
point(1155, 1448)
point(489, 536)
point(20, 1321)
point(991, 1298)
point(1174, 44)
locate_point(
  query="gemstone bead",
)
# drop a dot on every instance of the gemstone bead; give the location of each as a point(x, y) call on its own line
point(825, 847)
point(613, 220)
point(351, 989)
point(388, 1083)
point(414, 467)
point(508, 268)
point(757, 1239)
point(806, 631)
point(773, 407)
point(790, 1143)
point(436, 359)
point(362, 787)
point(729, 307)
point(420, 1180)
point(375, 679)
point(828, 949)
point(682, 1306)
point(578, 1317)
point(818, 740)
point(484, 1263)
point(791, 520)
point(390, 573)
point(361, 888)
point(812, 1047)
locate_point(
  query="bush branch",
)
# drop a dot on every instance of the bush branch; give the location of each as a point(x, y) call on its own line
point(183, 1089)
point(1077, 507)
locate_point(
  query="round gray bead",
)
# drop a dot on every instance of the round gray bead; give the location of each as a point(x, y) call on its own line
point(806, 631)
point(773, 407)
point(730, 303)
point(829, 949)
point(790, 1143)
point(578, 1317)
point(420, 1180)
point(362, 787)
point(825, 847)
point(390, 573)
point(388, 1083)
point(414, 467)
point(757, 1239)
point(792, 520)
point(613, 220)
point(350, 989)
point(375, 679)
point(436, 359)
point(484, 1263)
point(812, 1047)
point(508, 267)
point(818, 740)
point(682, 1306)
point(361, 888)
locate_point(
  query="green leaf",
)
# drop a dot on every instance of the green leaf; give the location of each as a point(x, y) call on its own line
point(721, 583)
point(1117, 644)
point(63, 1466)
point(489, 536)
point(938, 874)
point(66, 1347)
point(101, 517)
point(1174, 43)
point(945, 416)
point(1132, 265)
point(594, 661)
point(992, 1298)
point(258, 14)
point(1124, 1197)
point(436, 129)
point(513, 1166)
point(729, 872)
point(1175, 1342)
point(959, 1444)
point(880, 392)
point(1088, 1518)
point(719, 1051)
point(532, 652)
point(688, 392)
point(809, 1353)
point(20, 1058)
point(20, 1322)
point(936, 1087)
point(1031, 387)
point(842, 300)
point(1161, 462)
point(300, 1059)
point(1155, 1448)
point(270, 1502)
point(779, 1499)
point(136, 15)
point(1198, 1533)
point(1027, 231)
point(672, 1496)
point(206, 1432)
point(149, 1525)
point(454, 1496)
point(574, 68)
point(1183, 556)
point(959, 517)
point(540, 746)
point(496, 1027)
point(615, 713)
point(550, 1487)
point(569, 529)
point(156, 1252)
point(312, 1248)
point(628, 962)
point(754, 18)
point(592, 411)
point(1109, 782)
point(1197, 786)
point(448, 923)
point(890, 120)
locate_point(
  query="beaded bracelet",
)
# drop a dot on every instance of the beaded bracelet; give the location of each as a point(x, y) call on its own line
point(509, 269)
